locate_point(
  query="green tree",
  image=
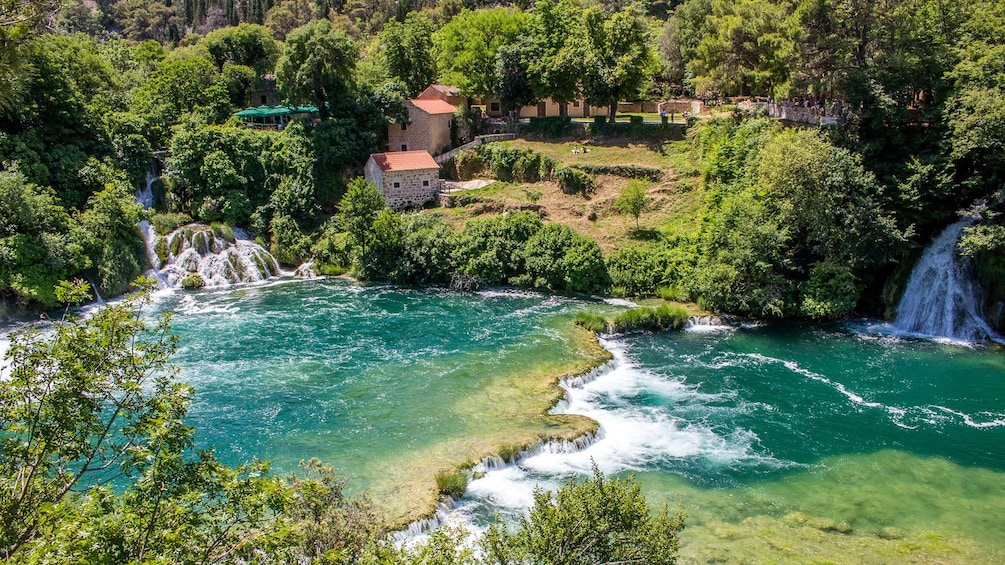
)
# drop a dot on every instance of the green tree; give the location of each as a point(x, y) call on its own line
point(555, 60)
point(20, 20)
point(64, 88)
point(358, 210)
point(142, 20)
point(382, 259)
point(218, 172)
point(514, 84)
point(408, 51)
point(330, 526)
point(466, 47)
point(249, 45)
point(185, 82)
point(288, 15)
point(108, 230)
point(429, 248)
point(37, 247)
point(748, 53)
point(594, 519)
point(492, 248)
point(618, 59)
point(95, 401)
point(633, 201)
point(317, 66)
point(557, 258)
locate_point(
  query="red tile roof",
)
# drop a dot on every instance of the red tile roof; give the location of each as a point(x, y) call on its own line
point(439, 89)
point(404, 161)
point(434, 106)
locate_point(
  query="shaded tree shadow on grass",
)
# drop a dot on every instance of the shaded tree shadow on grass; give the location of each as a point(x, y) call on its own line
point(644, 234)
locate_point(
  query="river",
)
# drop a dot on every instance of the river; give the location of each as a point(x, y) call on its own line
point(784, 443)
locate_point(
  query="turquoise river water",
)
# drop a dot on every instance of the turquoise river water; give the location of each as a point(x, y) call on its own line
point(783, 443)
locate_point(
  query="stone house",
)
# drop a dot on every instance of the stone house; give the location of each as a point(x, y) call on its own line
point(449, 94)
point(407, 179)
point(428, 127)
point(265, 93)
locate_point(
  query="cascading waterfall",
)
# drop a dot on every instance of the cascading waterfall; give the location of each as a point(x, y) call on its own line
point(145, 196)
point(942, 298)
point(218, 258)
point(196, 248)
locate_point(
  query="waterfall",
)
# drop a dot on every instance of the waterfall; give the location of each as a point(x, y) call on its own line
point(145, 196)
point(942, 298)
point(217, 258)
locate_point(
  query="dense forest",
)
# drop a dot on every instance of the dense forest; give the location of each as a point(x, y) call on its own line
point(795, 223)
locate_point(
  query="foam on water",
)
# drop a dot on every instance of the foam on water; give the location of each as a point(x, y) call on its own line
point(631, 437)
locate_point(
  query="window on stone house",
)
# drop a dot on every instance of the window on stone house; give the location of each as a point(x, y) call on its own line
point(404, 126)
point(425, 183)
point(396, 184)
point(404, 147)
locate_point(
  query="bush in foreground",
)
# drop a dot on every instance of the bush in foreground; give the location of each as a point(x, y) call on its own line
point(593, 519)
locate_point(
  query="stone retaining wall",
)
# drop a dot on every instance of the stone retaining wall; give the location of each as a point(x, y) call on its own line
point(480, 140)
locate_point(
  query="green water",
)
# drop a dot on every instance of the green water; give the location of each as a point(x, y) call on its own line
point(387, 385)
point(860, 448)
point(792, 444)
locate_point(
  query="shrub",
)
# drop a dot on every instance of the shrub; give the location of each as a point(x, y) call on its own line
point(671, 316)
point(639, 272)
point(451, 483)
point(665, 317)
point(520, 165)
point(573, 181)
point(590, 520)
point(468, 164)
point(551, 126)
point(193, 281)
point(167, 223)
point(492, 248)
point(672, 293)
point(593, 322)
point(832, 292)
point(464, 200)
point(510, 452)
point(329, 270)
point(161, 249)
point(627, 171)
point(223, 231)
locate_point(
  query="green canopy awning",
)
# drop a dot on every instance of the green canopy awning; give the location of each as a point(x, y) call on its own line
point(274, 111)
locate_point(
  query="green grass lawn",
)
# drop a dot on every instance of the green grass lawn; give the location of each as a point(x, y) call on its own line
point(677, 197)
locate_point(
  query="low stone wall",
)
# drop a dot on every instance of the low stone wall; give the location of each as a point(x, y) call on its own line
point(803, 115)
point(480, 140)
point(678, 107)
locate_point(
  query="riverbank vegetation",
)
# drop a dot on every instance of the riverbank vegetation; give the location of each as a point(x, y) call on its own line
point(743, 216)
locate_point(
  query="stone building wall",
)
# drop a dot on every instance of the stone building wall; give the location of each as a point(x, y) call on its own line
point(425, 132)
point(410, 193)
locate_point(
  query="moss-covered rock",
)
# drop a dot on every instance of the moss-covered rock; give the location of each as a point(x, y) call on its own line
point(193, 281)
